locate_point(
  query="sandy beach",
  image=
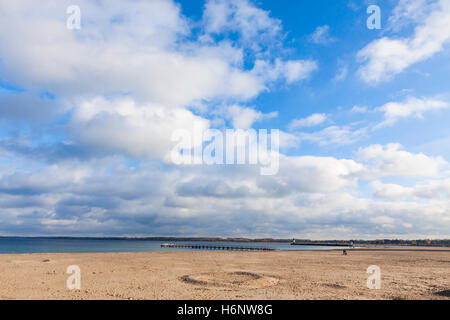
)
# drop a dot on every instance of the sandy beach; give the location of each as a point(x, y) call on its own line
point(227, 275)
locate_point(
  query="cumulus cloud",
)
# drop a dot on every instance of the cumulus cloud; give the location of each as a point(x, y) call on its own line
point(106, 195)
point(391, 160)
point(151, 82)
point(301, 174)
point(411, 107)
point(295, 70)
point(390, 191)
point(408, 12)
point(158, 60)
point(245, 19)
point(434, 189)
point(313, 120)
point(425, 190)
point(123, 126)
point(386, 57)
point(319, 174)
point(244, 117)
point(291, 71)
point(37, 182)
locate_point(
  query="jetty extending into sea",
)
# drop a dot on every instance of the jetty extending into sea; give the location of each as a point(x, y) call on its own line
point(213, 247)
point(337, 243)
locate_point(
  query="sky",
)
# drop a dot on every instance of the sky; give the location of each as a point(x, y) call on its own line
point(87, 117)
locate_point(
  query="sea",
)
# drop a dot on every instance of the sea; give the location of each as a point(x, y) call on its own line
point(86, 245)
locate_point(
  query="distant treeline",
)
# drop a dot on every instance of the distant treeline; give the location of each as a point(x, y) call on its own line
point(420, 242)
point(392, 242)
point(400, 242)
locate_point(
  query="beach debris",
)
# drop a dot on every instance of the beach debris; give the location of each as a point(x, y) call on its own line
point(187, 279)
point(334, 285)
point(443, 293)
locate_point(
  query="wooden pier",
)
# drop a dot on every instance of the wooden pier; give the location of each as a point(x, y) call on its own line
point(322, 243)
point(213, 247)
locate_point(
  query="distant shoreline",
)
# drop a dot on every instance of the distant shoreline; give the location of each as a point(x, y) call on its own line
point(357, 242)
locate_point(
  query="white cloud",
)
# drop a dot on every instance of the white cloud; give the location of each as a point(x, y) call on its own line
point(391, 160)
point(341, 73)
point(244, 18)
point(145, 50)
point(319, 174)
point(428, 190)
point(322, 35)
point(334, 135)
point(123, 126)
point(359, 109)
point(386, 57)
point(291, 71)
point(435, 189)
point(408, 12)
point(390, 191)
point(295, 70)
point(288, 140)
point(37, 182)
point(411, 107)
point(244, 117)
point(313, 120)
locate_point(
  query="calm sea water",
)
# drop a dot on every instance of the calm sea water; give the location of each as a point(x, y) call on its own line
point(49, 245)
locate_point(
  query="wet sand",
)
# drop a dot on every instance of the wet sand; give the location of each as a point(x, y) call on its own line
point(227, 275)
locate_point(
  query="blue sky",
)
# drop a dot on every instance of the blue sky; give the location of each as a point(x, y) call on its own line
point(87, 117)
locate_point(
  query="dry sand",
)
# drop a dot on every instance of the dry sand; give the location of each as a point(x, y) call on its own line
point(227, 275)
